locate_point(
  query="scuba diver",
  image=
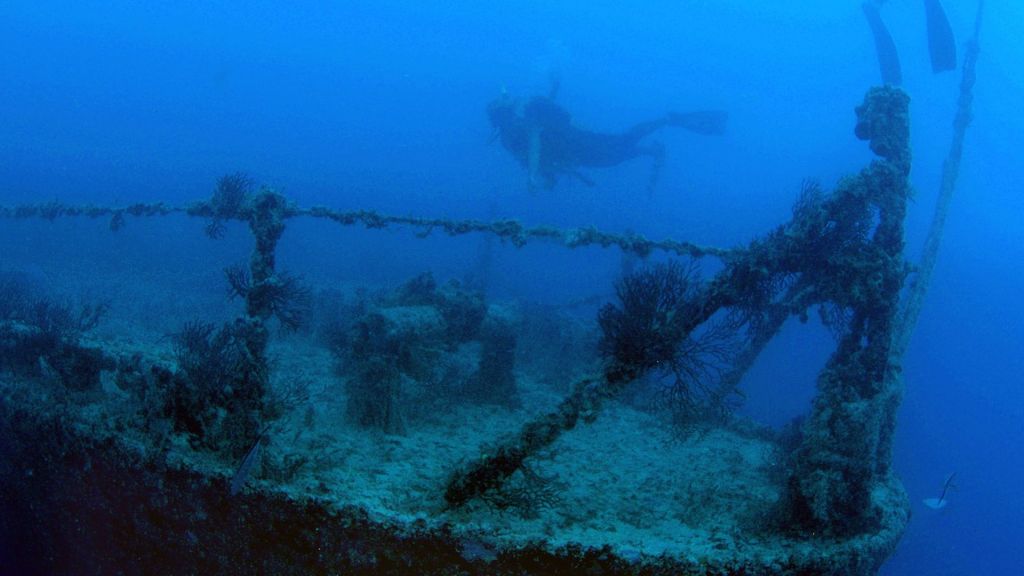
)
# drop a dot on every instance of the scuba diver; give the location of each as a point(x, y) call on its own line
point(541, 136)
point(941, 42)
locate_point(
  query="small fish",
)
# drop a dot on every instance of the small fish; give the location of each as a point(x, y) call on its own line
point(940, 502)
point(248, 463)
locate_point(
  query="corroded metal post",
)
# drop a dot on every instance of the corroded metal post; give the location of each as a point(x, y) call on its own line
point(847, 441)
point(266, 218)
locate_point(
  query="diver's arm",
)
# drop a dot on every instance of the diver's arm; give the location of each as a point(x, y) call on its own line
point(555, 85)
point(533, 157)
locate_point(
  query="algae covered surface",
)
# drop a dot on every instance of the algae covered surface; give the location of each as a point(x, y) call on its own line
point(628, 483)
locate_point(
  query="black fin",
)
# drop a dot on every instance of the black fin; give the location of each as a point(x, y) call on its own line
point(888, 57)
point(941, 42)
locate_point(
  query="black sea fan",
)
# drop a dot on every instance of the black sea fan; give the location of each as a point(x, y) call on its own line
point(648, 325)
point(228, 201)
point(283, 295)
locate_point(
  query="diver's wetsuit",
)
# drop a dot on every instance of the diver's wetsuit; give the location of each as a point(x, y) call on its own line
point(545, 142)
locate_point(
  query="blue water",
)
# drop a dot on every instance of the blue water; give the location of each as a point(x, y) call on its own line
point(381, 105)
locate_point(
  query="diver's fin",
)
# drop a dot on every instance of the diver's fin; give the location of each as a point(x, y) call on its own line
point(935, 503)
point(707, 122)
point(888, 57)
point(941, 42)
